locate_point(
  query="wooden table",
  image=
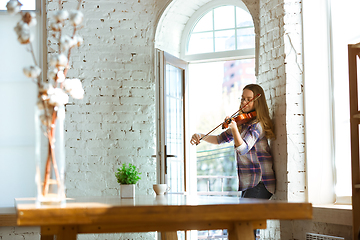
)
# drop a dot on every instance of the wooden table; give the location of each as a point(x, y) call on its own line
point(167, 214)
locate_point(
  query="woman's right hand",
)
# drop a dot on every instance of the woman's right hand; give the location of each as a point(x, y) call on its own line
point(195, 139)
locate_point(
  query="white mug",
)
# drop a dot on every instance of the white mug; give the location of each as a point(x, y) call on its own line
point(160, 189)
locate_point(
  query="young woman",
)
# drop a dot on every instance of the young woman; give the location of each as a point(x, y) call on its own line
point(254, 160)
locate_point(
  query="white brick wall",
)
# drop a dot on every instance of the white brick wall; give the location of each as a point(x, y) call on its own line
point(280, 74)
point(114, 123)
point(19, 233)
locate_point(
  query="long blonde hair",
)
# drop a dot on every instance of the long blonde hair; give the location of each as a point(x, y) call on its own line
point(262, 110)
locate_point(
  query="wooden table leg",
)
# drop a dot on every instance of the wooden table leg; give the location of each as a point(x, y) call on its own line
point(169, 236)
point(47, 237)
point(67, 233)
point(241, 231)
point(61, 232)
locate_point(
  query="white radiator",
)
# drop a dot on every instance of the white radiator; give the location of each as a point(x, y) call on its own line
point(313, 236)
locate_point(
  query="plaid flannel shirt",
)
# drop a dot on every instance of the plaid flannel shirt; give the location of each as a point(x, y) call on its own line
point(254, 160)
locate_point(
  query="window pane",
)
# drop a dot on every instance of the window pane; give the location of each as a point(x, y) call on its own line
point(200, 43)
point(245, 38)
point(224, 40)
point(174, 125)
point(345, 31)
point(205, 23)
point(215, 31)
point(26, 4)
point(243, 18)
point(224, 17)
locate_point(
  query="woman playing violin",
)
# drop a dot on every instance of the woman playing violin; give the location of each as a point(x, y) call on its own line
point(254, 160)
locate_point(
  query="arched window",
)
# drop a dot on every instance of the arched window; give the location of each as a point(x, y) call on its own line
point(217, 45)
point(219, 30)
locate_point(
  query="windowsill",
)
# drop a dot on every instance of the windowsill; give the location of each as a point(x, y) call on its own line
point(4, 12)
point(333, 213)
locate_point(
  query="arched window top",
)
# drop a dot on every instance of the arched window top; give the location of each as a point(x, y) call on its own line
point(218, 31)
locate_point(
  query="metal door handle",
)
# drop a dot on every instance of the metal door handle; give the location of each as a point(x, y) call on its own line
point(166, 156)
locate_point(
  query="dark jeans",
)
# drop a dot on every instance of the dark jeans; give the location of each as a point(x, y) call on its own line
point(259, 191)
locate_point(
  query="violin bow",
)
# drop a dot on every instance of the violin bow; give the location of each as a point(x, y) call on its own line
point(232, 116)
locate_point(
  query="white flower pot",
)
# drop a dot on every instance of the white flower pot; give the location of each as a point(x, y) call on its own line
point(127, 190)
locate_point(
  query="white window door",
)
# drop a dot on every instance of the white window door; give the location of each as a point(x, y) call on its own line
point(171, 73)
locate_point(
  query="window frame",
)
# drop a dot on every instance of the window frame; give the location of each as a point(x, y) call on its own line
point(38, 4)
point(207, 57)
point(223, 55)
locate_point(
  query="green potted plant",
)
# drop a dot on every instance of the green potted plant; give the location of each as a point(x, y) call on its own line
point(127, 176)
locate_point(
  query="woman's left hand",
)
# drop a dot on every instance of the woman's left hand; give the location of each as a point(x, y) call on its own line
point(233, 125)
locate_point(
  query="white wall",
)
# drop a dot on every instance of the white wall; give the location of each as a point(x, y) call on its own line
point(17, 105)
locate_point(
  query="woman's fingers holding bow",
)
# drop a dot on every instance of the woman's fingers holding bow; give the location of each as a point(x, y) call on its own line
point(195, 139)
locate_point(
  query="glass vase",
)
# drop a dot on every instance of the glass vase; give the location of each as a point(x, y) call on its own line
point(50, 155)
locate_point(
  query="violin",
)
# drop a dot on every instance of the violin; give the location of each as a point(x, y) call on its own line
point(242, 118)
point(239, 119)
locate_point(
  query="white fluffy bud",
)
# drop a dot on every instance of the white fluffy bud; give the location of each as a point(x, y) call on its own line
point(56, 26)
point(58, 97)
point(13, 6)
point(66, 42)
point(58, 60)
point(78, 40)
point(23, 32)
point(32, 71)
point(61, 15)
point(76, 17)
point(74, 87)
point(60, 77)
point(52, 72)
point(29, 18)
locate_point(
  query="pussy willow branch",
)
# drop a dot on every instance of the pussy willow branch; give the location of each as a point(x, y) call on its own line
point(69, 53)
point(38, 82)
point(32, 53)
point(73, 35)
point(30, 44)
point(51, 130)
point(79, 4)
